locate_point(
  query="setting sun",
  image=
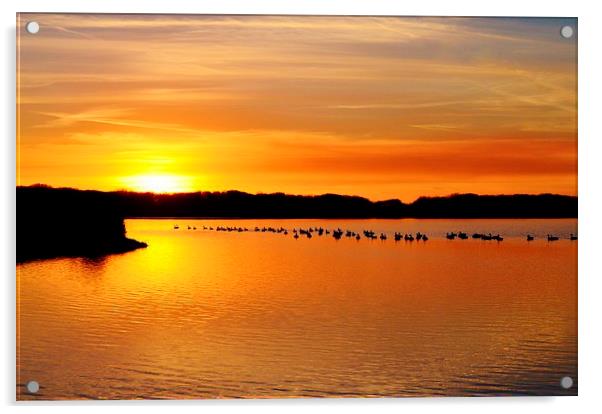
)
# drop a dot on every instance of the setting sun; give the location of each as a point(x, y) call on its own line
point(159, 183)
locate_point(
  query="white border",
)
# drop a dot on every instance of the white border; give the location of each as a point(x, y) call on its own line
point(590, 206)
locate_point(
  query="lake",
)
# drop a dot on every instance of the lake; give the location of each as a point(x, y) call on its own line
point(207, 314)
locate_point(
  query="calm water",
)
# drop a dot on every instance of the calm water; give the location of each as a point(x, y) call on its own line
point(202, 314)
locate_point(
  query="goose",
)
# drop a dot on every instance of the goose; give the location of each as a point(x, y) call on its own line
point(552, 238)
point(573, 237)
point(369, 234)
point(424, 237)
point(530, 238)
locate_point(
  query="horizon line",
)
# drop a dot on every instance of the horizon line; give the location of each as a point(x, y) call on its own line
point(42, 185)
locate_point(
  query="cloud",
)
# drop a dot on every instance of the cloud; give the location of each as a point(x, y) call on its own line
point(107, 116)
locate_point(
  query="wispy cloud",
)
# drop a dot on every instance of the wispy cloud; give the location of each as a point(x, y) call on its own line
point(106, 116)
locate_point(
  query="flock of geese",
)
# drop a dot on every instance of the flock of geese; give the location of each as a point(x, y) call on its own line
point(367, 234)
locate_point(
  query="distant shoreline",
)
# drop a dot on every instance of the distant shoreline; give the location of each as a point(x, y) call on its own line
point(241, 205)
point(263, 194)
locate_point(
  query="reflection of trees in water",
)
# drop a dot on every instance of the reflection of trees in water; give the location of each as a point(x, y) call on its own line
point(93, 263)
point(89, 269)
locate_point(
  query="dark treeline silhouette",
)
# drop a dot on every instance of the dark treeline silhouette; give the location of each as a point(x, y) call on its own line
point(495, 206)
point(244, 205)
point(43, 200)
point(279, 205)
point(66, 222)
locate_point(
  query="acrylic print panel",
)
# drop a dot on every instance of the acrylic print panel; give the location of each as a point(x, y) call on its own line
point(296, 206)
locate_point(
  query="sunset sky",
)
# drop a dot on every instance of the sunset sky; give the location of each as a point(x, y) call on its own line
point(380, 107)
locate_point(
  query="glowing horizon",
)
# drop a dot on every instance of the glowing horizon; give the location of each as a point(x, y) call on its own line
point(379, 107)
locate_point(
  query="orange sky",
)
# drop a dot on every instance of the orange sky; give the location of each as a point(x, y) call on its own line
point(379, 107)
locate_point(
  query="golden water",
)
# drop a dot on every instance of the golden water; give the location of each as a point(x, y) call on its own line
point(205, 314)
